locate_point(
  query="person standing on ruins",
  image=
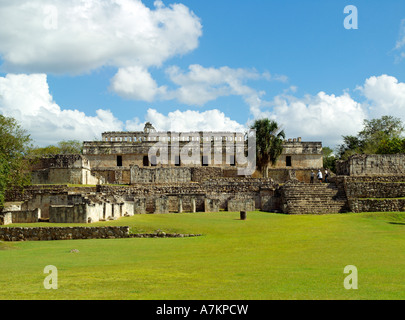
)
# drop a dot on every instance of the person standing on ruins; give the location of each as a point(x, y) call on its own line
point(326, 175)
point(319, 176)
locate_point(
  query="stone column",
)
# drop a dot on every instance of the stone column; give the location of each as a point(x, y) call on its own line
point(193, 205)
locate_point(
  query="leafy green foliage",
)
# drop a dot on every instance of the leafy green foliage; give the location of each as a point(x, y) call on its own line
point(63, 147)
point(329, 159)
point(377, 136)
point(392, 146)
point(269, 143)
point(14, 144)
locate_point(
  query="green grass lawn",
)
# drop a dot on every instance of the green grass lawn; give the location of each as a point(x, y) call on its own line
point(268, 256)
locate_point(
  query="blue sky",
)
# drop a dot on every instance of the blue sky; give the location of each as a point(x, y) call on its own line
point(73, 70)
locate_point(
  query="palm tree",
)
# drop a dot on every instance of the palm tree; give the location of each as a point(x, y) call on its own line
point(269, 143)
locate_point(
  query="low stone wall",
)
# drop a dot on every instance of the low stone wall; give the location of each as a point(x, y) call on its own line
point(30, 191)
point(270, 200)
point(372, 164)
point(376, 205)
point(62, 233)
point(211, 205)
point(25, 216)
point(375, 189)
point(160, 175)
point(68, 214)
point(235, 205)
point(199, 174)
point(163, 235)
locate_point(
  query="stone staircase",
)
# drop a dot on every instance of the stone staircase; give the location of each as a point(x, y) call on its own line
point(306, 198)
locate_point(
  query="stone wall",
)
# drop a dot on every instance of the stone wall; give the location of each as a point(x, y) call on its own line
point(211, 205)
point(199, 174)
point(62, 233)
point(270, 200)
point(70, 214)
point(61, 161)
point(89, 212)
point(161, 205)
point(375, 189)
point(113, 175)
point(27, 216)
point(74, 169)
point(377, 205)
point(30, 191)
point(372, 164)
point(235, 205)
point(160, 175)
point(374, 193)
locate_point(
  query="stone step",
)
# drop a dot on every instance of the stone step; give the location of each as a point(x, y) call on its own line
point(304, 198)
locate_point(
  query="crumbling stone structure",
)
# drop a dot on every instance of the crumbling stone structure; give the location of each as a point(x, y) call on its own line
point(122, 157)
point(372, 165)
point(128, 181)
point(74, 169)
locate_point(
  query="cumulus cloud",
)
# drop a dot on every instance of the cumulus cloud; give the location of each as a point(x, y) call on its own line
point(200, 85)
point(57, 36)
point(27, 99)
point(320, 117)
point(196, 86)
point(327, 117)
point(385, 96)
point(187, 121)
point(136, 83)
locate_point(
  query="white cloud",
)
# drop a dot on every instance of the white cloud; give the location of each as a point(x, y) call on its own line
point(197, 86)
point(385, 95)
point(76, 36)
point(135, 83)
point(27, 99)
point(200, 85)
point(328, 117)
point(321, 117)
point(187, 121)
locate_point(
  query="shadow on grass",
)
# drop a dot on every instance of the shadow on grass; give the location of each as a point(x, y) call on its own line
point(399, 223)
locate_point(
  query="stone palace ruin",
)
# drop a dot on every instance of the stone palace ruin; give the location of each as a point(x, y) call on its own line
point(118, 176)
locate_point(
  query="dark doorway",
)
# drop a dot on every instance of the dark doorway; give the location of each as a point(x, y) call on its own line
point(145, 161)
point(119, 161)
point(288, 161)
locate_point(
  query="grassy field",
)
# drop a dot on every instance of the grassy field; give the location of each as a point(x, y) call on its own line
point(268, 256)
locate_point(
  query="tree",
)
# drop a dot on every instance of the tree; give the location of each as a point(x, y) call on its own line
point(329, 159)
point(14, 145)
point(391, 146)
point(62, 147)
point(369, 140)
point(70, 147)
point(350, 146)
point(269, 143)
